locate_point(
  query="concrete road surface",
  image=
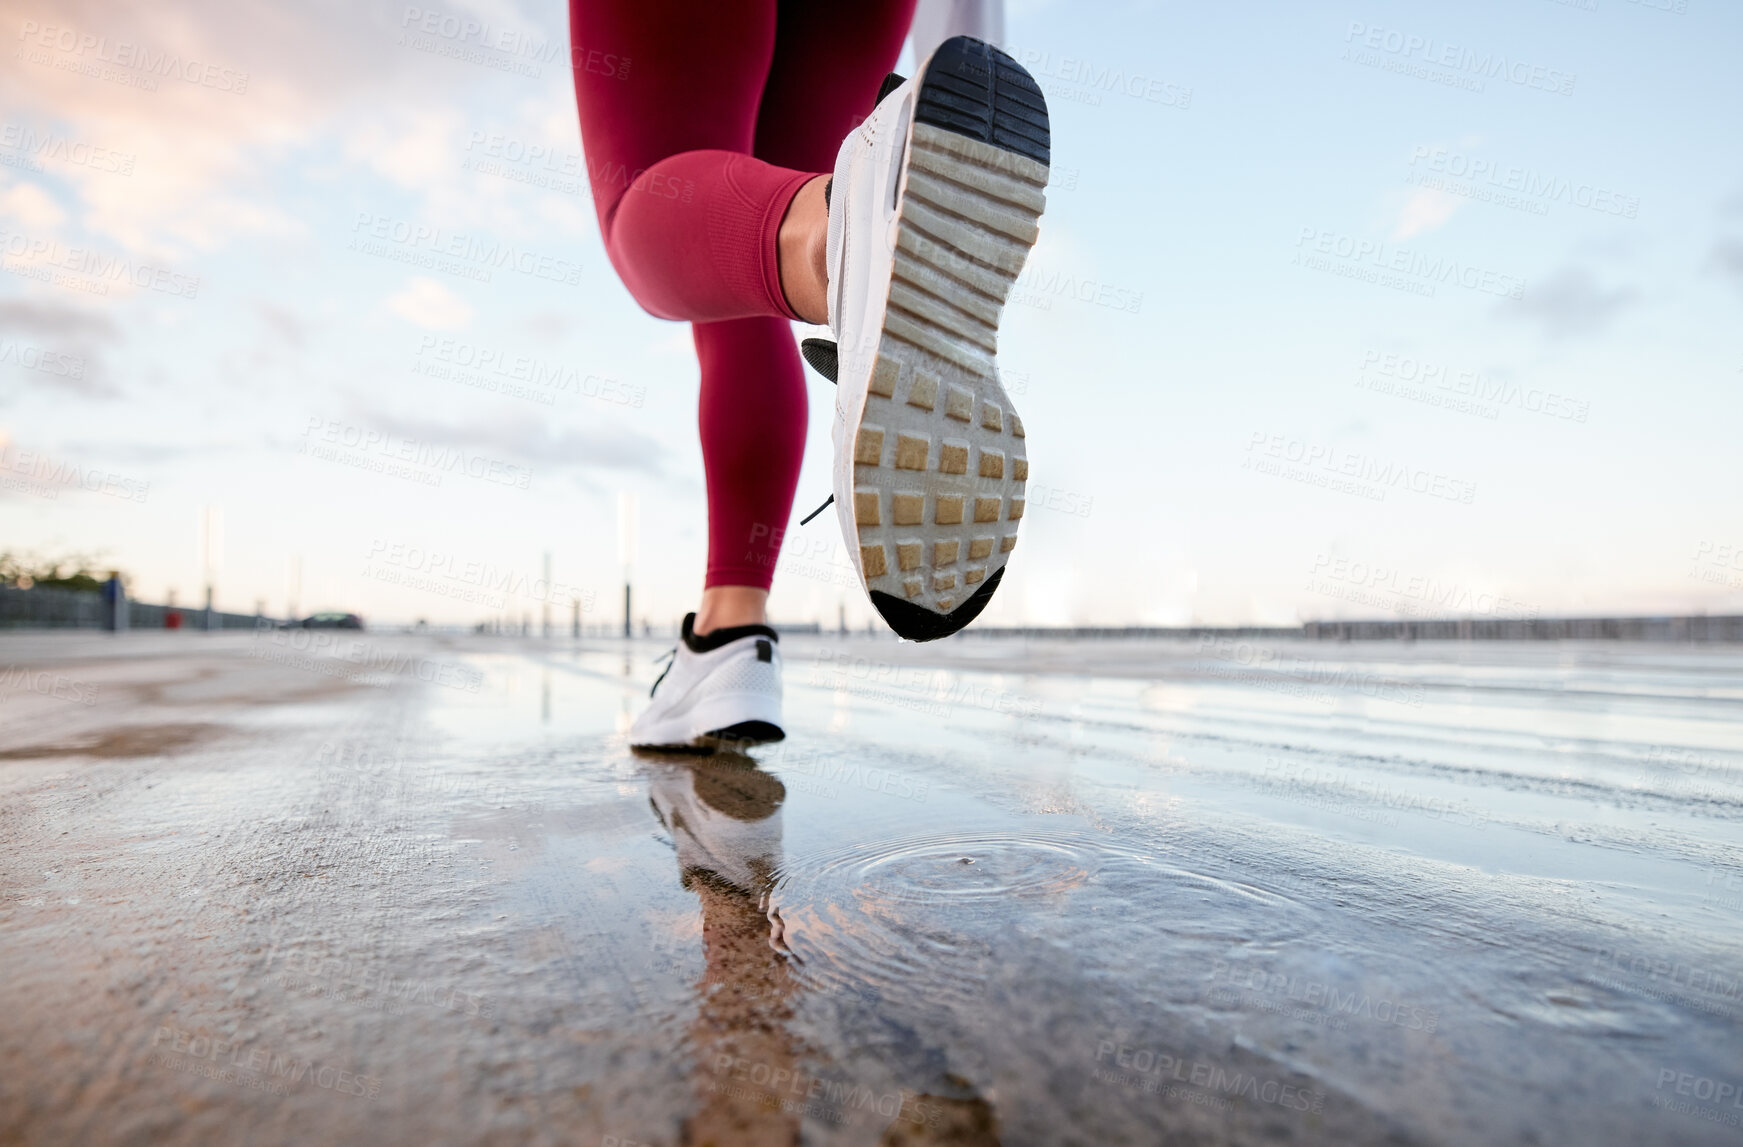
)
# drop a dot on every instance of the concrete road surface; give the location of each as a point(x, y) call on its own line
point(294, 888)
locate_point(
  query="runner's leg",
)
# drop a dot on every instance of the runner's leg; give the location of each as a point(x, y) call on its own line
point(668, 92)
point(672, 98)
point(818, 90)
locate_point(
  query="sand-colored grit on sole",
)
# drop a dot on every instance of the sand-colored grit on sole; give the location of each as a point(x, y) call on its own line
point(940, 456)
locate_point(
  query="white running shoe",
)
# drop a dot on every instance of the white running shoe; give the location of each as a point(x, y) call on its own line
point(721, 690)
point(934, 205)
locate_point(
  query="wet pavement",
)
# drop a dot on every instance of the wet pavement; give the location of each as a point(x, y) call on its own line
point(416, 890)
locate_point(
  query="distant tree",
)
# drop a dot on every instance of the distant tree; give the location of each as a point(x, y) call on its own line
point(75, 571)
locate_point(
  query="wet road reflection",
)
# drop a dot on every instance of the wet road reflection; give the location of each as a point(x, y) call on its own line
point(986, 892)
point(756, 1077)
point(724, 819)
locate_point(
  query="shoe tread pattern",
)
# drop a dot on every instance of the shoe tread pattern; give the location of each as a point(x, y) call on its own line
point(975, 90)
point(940, 455)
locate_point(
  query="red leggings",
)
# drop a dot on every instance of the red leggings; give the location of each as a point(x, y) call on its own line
point(701, 120)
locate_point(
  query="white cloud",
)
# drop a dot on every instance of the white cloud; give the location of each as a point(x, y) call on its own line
point(430, 305)
point(412, 148)
point(31, 206)
point(211, 156)
point(1426, 210)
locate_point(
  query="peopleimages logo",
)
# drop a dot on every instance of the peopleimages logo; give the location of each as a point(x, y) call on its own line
point(421, 244)
point(1438, 597)
point(482, 575)
point(153, 63)
point(1313, 782)
point(467, 38)
point(1522, 181)
point(1038, 287)
point(1413, 265)
point(1721, 1100)
point(97, 270)
point(27, 357)
point(1155, 1070)
point(830, 1099)
point(1262, 665)
point(511, 367)
point(1326, 996)
point(1460, 61)
point(1473, 385)
point(205, 1054)
point(914, 686)
point(333, 441)
point(1095, 78)
point(830, 771)
point(49, 476)
point(494, 153)
point(1716, 991)
point(17, 679)
point(509, 41)
point(60, 149)
point(1376, 474)
point(1720, 554)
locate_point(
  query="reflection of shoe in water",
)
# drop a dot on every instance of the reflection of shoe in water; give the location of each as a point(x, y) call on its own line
point(934, 205)
point(721, 690)
point(725, 819)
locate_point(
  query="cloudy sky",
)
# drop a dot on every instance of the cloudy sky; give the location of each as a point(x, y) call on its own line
point(1367, 309)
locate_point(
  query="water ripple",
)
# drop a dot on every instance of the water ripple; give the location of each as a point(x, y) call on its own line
point(902, 915)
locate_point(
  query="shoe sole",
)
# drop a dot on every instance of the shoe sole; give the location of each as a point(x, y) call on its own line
point(737, 738)
point(732, 739)
point(940, 460)
point(707, 733)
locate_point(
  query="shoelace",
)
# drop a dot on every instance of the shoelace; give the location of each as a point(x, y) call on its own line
point(821, 354)
point(670, 657)
point(827, 502)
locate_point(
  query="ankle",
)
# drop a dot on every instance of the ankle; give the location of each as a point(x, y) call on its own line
point(724, 606)
point(803, 251)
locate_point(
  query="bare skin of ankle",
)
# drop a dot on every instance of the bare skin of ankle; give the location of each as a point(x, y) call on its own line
point(803, 252)
point(724, 606)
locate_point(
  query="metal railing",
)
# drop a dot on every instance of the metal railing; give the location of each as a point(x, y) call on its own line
point(43, 607)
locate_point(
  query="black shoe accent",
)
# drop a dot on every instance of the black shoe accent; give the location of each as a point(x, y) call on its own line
point(671, 661)
point(659, 752)
point(822, 356)
point(918, 623)
point(827, 502)
point(714, 639)
point(973, 89)
point(743, 733)
point(890, 84)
